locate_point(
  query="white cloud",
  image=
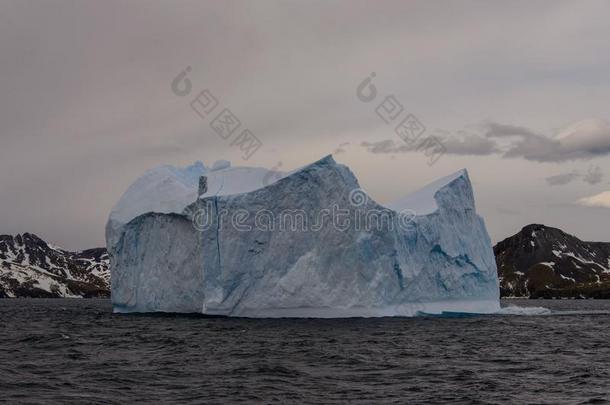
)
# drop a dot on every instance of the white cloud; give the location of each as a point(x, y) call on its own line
point(601, 200)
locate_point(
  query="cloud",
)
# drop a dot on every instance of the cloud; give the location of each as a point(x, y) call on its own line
point(594, 176)
point(583, 140)
point(465, 144)
point(497, 129)
point(601, 200)
point(469, 144)
point(562, 179)
point(341, 148)
point(386, 146)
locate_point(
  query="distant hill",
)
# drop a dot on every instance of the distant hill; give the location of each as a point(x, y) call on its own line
point(29, 267)
point(544, 262)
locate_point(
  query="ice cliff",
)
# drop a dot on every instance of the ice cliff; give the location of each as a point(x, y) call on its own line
point(305, 244)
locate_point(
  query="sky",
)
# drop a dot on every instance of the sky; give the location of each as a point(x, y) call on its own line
point(516, 92)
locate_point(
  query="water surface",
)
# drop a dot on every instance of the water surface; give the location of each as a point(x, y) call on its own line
point(77, 351)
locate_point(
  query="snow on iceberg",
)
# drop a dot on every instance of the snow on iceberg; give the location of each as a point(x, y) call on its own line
point(309, 243)
point(168, 189)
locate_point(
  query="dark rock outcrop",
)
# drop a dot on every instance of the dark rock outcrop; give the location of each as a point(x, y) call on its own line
point(545, 262)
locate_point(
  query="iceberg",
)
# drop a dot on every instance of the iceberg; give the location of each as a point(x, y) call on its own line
point(309, 243)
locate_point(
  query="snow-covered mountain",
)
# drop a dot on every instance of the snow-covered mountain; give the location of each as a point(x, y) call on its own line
point(544, 262)
point(30, 267)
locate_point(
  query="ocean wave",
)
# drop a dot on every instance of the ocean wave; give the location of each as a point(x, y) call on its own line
point(528, 311)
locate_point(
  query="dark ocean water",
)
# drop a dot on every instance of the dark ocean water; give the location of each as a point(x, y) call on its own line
point(77, 351)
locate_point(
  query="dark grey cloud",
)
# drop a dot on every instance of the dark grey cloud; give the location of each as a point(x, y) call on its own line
point(386, 146)
point(528, 145)
point(562, 179)
point(341, 148)
point(583, 140)
point(469, 144)
point(594, 175)
point(497, 129)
